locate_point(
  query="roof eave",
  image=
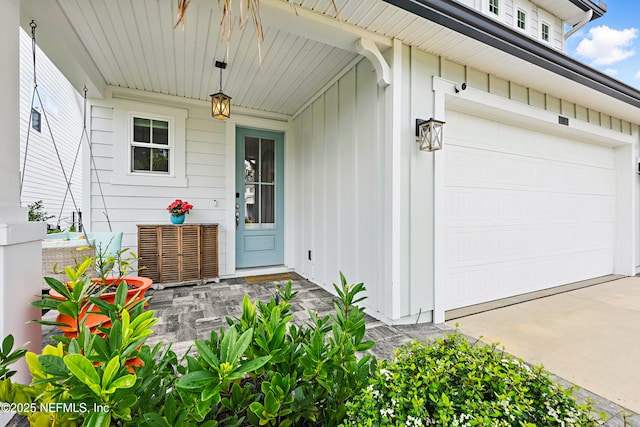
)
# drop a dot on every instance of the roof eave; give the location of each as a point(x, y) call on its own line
point(599, 8)
point(469, 22)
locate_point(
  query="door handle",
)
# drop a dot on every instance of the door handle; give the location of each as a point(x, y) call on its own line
point(237, 219)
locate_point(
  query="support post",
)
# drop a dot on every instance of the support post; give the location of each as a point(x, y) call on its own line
point(20, 248)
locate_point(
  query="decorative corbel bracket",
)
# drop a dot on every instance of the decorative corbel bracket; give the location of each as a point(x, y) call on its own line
point(369, 50)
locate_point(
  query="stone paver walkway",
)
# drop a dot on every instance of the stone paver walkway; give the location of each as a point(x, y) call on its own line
point(188, 313)
point(191, 312)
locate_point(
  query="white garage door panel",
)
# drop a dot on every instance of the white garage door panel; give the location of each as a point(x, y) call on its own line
point(524, 211)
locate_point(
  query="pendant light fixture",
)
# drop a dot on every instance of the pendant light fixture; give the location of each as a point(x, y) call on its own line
point(220, 103)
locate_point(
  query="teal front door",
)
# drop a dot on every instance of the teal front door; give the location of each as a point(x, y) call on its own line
point(259, 198)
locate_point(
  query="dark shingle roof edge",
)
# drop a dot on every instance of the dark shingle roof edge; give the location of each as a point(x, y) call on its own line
point(599, 8)
point(471, 23)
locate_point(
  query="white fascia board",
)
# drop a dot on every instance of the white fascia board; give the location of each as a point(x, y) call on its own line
point(497, 108)
point(57, 39)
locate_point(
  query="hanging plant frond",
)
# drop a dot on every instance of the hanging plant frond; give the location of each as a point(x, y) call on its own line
point(182, 13)
point(254, 7)
point(226, 21)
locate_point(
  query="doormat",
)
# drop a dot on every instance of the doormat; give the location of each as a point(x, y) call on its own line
point(254, 280)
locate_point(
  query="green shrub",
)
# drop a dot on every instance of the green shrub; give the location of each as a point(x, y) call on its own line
point(37, 212)
point(265, 370)
point(450, 382)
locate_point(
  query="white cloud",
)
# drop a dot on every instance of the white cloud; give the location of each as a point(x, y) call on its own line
point(638, 75)
point(611, 71)
point(605, 46)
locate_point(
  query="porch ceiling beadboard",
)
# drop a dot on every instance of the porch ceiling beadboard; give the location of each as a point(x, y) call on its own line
point(134, 45)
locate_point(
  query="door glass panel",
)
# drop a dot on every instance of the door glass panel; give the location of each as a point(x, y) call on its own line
point(259, 178)
point(251, 153)
point(267, 162)
point(250, 205)
point(267, 205)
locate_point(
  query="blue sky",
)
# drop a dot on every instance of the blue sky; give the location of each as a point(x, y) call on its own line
point(611, 44)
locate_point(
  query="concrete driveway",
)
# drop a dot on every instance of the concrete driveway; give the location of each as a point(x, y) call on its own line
point(589, 336)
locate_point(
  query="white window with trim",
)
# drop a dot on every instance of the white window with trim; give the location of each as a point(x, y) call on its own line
point(521, 20)
point(494, 7)
point(151, 146)
point(545, 32)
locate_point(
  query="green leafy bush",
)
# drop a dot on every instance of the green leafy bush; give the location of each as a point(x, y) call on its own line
point(37, 212)
point(105, 376)
point(265, 370)
point(450, 382)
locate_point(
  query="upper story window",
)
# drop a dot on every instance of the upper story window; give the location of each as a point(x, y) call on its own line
point(494, 7)
point(522, 19)
point(36, 120)
point(545, 31)
point(150, 145)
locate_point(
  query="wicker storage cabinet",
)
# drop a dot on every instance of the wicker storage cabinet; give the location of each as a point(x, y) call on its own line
point(178, 253)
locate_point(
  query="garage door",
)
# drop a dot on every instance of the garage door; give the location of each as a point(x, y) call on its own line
point(524, 210)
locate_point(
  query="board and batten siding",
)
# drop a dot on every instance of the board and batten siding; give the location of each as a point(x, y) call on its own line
point(340, 179)
point(43, 175)
point(130, 204)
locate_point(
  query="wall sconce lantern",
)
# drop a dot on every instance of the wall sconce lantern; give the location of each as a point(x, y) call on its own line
point(220, 103)
point(429, 133)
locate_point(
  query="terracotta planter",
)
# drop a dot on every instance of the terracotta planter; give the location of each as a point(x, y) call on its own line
point(93, 320)
point(132, 363)
point(142, 284)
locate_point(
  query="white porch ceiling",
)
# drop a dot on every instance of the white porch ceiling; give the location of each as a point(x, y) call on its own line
point(132, 44)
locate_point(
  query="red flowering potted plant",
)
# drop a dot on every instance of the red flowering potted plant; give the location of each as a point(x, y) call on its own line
point(178, 209)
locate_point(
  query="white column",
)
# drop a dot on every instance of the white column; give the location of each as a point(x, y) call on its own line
point(626, 182)
point(20, 249)
point(400, 195)
point(439, 161)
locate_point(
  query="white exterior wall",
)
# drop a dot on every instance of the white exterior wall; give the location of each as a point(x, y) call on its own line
point(429, 171)
point(44, 179)
point(339, 177)
point(535, 16)
point(635, 158)
point(341, 187)
point(132, 200)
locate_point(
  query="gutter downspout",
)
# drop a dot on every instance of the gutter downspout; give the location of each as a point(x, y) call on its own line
point(584, 21)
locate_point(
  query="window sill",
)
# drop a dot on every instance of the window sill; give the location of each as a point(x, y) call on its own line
point(149, 180)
